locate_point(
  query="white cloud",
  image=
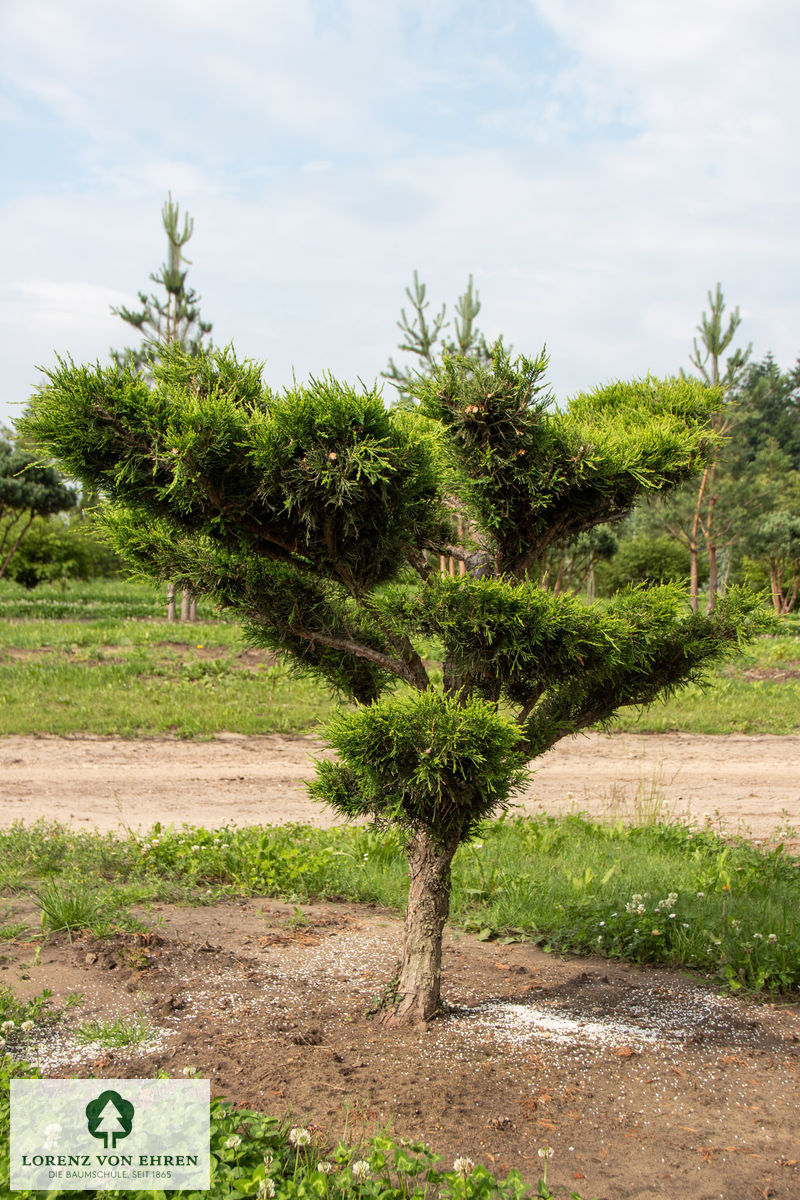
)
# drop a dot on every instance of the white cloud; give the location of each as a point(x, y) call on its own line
point(596, 167)
point(64, 306)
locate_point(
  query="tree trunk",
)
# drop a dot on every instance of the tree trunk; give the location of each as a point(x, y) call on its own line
point(711, 539)
point(693, 575)
point(713, 578)
point(698, 510)
point(775, 584)
point(591, 587)
point(419, 983)
point(171, 602)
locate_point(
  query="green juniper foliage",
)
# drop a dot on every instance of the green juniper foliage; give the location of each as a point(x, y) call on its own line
point(317, 515)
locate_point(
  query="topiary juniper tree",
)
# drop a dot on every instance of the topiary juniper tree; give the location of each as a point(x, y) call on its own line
point(313, 514)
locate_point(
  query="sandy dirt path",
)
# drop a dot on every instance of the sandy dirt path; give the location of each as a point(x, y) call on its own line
point(749, 783)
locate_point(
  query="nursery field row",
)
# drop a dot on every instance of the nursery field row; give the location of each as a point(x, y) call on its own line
point(147, 678)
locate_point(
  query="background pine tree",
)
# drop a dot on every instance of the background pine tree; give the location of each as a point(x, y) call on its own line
point(171, 319)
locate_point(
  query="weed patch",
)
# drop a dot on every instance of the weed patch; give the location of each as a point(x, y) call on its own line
point(117, 1033)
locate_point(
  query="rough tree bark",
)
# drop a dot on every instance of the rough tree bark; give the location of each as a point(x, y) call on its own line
point(418, 987)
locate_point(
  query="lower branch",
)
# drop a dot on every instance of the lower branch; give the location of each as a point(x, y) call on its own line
point(350, 647)
point(15, 546)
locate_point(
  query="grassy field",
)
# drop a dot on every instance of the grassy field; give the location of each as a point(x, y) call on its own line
point(100, 659)
point(758, 692)
point(144, 678)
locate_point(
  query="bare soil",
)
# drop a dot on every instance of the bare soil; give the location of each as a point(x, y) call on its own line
point(749, 784)
point(644, 1083)
point(647, 1084)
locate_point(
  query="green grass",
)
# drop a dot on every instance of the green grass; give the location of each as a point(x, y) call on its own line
point(11, 930)
point(15, 1012)
point(567, 884)
point(106, 638)
point(728, 705)
point(71, 905)
point(99, 658)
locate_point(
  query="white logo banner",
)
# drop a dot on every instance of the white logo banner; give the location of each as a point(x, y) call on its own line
point(78, 1134)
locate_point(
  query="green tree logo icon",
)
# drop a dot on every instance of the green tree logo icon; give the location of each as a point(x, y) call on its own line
point(109, 1116)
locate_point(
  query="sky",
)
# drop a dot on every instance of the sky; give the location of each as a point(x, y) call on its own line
point(596, 167)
